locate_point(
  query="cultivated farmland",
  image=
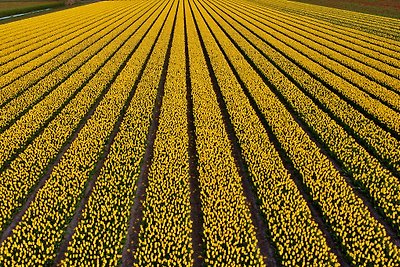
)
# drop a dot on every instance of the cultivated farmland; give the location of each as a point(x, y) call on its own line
point(200, 132)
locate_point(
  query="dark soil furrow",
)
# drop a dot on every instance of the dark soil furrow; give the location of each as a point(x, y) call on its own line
point(195, 200)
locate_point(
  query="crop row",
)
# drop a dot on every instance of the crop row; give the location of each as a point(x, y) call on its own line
point(37, 65)
point(21, 96)
point(44, 32)
point(93, 57)
point(359, 38)
point(102, 228)
point(31, 30)
point(365, 169)
point(37, 53)
point(229, 234)
point(358, 98)
point(376, 56)
point(354, 71)
point(286, 212)
point(55, 202)
point(165, 230)
point(357, 68)
point(375, 137)
point(363, 238)
point(372, 25)
point(129, 137)
point(25, 170)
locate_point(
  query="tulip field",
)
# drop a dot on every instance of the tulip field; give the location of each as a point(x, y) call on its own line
point(200, 133)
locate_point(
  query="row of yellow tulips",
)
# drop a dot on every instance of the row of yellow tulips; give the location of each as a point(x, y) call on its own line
point(165, 230)
point(229, 234)
point(365, 169)
point(103, 226)
point(363, 238)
